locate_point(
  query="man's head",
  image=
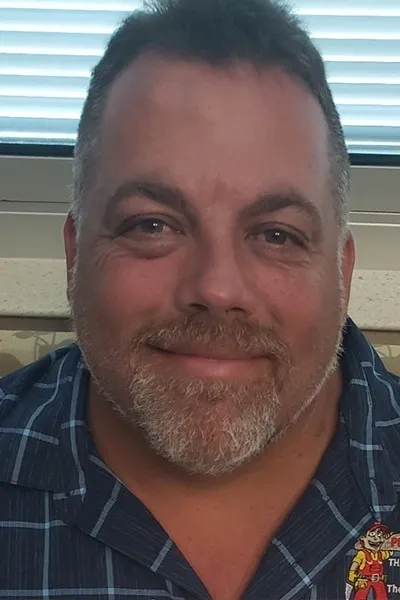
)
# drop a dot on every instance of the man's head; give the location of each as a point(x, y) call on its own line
point(208, 253)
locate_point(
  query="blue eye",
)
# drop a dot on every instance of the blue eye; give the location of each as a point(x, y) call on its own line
point(276, 236)
point(145, 227)
point(149, 226)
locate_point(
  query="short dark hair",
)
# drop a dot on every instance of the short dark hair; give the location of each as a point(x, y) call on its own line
point(263, 32)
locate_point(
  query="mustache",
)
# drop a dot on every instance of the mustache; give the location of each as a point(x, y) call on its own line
point(238, 334)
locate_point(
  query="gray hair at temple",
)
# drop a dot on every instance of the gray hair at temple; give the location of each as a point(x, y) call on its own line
point(219, 32)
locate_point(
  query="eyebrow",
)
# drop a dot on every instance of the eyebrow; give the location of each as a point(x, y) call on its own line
point(267, 203)
point(175, 198)
point(172, 197)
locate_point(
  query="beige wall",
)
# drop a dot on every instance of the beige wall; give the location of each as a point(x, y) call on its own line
point(20, 347)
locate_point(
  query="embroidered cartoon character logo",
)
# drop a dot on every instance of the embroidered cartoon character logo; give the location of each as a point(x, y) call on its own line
point(366, 578)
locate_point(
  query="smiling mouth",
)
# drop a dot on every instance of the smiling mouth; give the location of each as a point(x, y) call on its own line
point(209, 353)
point(219, 363)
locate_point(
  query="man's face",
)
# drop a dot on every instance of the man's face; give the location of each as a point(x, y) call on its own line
point(205, 284)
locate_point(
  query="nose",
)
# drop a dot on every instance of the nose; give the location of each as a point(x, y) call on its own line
point(217, 281)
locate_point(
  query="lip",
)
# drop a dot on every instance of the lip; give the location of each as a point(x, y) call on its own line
point(209, 352)
point(213, 362)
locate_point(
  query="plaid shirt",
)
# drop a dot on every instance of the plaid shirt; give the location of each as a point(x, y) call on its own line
point(69, 529)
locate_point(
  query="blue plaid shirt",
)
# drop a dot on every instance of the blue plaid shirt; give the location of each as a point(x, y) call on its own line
point(69, 529)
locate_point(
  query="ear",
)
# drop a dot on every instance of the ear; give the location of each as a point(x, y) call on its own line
point(359, 545)
point(348, 262)
point(70, 246)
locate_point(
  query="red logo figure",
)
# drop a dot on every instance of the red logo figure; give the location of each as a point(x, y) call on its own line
point(367, 569)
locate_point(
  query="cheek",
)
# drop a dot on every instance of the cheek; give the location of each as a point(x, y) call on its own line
point(307, 305)
point(125, 291)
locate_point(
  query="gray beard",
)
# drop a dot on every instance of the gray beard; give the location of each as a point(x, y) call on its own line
point(209, 427)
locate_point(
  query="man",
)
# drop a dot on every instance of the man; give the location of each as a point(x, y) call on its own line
point(221, 430)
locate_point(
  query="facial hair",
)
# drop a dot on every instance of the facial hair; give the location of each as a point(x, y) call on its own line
point(204, 426)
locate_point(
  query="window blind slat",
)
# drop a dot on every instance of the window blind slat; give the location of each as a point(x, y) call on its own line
point(353, 28)
point(335, 50)
point(40, 108)
point(48, 48)
point(347, 7)
point(22, 65)
point(9, 127)
point(42, 87)
point(361, 72)
point(60, 21)
point(67, 44)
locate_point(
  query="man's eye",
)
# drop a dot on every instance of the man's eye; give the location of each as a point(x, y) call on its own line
point(150, 226)
point(145, 227)
point(275, 236)
point(280, 237)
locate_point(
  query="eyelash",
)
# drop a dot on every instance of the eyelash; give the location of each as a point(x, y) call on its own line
point(296, 239)
point(130, 223)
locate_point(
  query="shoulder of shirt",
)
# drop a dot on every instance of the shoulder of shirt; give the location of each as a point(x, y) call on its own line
point(25, 386)
point(371, 403)
point(365, 369)
point(34, 404)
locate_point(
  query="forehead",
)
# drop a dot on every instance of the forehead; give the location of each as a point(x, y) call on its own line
point(211, 131)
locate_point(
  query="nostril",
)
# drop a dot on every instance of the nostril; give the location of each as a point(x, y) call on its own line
point(199, 307)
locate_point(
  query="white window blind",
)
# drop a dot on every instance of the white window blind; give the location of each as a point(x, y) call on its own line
point(48, 47)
